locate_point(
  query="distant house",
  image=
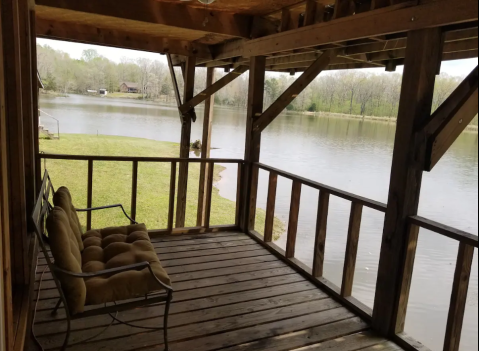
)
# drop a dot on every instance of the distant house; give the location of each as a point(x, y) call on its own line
point(128, 87)
point(103, 92)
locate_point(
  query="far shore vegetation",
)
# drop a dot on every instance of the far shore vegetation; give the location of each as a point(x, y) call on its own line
point(112, 181)
point(344, 93)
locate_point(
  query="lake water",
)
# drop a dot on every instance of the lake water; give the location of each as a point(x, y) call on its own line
point(352, 155)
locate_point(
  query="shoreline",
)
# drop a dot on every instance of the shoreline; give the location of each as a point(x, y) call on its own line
point(321, 114)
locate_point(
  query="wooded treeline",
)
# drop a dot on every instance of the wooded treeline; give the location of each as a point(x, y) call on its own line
point(348, 92)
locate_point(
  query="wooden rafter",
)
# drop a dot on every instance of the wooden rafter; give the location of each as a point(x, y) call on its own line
point(159, 13)
point(394, 19)
point(451, 118)
point(294, 90)
point(212, 89)
point(103, 36)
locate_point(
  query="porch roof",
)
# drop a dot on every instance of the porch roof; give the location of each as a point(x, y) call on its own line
point(291, 34)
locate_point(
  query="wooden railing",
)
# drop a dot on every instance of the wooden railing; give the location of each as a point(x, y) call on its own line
point(135, 161)
point(467, 244)
point(343, 293)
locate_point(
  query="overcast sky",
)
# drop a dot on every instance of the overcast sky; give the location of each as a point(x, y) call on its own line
point(454, 68)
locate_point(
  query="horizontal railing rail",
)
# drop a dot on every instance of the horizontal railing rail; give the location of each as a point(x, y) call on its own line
point(450, 232)
point(137, 158)
point(460, 288)
point(376, 205)
point(135, 161)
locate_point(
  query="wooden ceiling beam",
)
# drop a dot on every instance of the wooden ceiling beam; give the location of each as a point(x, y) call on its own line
point(161, 13)
point(394, 19)
point(107, 37)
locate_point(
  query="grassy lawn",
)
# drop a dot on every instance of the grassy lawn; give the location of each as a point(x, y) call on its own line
point(112, 181)
point(124, 95)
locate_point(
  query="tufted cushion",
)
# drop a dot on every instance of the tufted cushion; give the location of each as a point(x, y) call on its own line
point(63, 199)
point(117, 247)
point(67, 255)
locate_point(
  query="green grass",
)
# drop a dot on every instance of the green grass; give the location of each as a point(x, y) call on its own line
point(112, 181)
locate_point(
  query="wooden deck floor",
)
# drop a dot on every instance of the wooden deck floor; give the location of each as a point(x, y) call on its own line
point(230, 294)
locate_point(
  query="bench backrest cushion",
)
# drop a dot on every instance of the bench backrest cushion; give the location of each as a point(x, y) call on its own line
point(63, 199)
point(67, 254)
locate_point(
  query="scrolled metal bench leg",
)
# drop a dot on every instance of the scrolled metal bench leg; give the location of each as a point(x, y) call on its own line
point(67, 337)
point(57, 306)
point(165, 322)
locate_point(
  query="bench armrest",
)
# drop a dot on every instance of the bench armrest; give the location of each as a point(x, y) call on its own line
point(105, 208)
point(131, 267)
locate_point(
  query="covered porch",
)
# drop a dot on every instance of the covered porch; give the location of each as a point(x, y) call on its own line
point(234, 288)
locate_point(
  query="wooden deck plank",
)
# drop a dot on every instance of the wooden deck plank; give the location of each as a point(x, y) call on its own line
point(45, 316)
point(313, 335)
point(229, 295)
point(152, 316)
point(331, 309)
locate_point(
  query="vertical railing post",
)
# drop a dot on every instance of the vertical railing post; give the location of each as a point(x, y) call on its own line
point(209, 193)
point(351, 249)
point(270, 207)
point(321, 232)
point(239, 194)
point(413, 236)
point(293, 219)
point(89, 194)
point(171, 208)
point(134, 189)
point(459, 298)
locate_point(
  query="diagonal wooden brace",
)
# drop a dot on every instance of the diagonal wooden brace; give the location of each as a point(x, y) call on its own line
point(451, 119)
point(294, 90)
point(214, 88)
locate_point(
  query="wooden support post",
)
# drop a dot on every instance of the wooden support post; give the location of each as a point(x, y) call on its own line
point(171, 207)
point(293, 219)
point(423, 53)
point(89, 194)
point(13, 102)
point(189, 77)
point(134, 189)
point(459, 298)
point(205, 148)
point(6, 300)
point(351, 249)
point(294, 90)
point(270, 207)
point(321, 230)
point(253, 141)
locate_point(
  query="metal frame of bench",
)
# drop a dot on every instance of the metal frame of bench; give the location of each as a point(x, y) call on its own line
point(41, 211)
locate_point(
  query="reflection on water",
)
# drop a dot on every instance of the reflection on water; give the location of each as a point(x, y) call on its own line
point(352, 155)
